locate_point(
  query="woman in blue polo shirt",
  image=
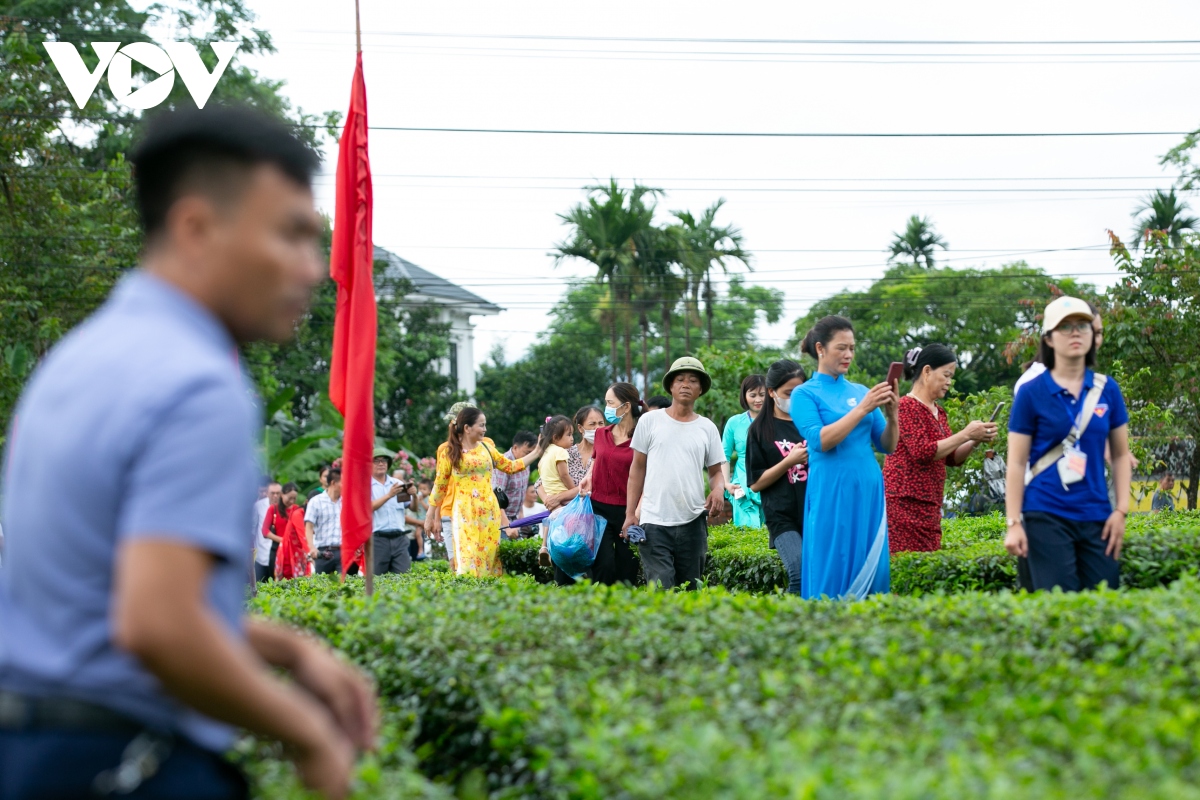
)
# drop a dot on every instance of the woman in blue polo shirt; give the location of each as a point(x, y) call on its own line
point(1063, 520)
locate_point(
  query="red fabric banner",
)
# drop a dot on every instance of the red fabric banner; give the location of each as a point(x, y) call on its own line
point(352, 371)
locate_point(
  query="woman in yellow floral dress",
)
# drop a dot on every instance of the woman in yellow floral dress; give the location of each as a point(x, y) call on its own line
point(464, 470)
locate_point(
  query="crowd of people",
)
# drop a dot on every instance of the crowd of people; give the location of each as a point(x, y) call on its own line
point(800, 460)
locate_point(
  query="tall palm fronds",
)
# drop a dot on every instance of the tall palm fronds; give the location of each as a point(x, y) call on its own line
point(917, 242)
point(1163, 211)
point(706, 246)
point(605, 227)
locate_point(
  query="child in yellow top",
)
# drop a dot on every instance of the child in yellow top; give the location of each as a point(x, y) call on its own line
point(552, 468)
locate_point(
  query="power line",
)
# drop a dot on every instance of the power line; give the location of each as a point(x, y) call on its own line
point(597, 180)
point(778, 134)
point(728, 40)
point(733, 134)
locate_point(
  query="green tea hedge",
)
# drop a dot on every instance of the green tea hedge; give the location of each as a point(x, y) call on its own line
point(1159, 548)
point(525, 690)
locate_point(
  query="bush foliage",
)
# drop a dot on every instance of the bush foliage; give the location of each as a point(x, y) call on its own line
point(512, 689)
point(1158, 549)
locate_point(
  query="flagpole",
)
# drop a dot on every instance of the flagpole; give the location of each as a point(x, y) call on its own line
point(369, 546)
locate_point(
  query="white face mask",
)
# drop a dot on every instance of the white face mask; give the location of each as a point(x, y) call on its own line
point(589, 436)
point(784, 404)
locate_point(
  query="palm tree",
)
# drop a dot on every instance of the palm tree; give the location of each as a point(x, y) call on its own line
point(656, 285)
point(604, 229)
point(1166, 214)
point(706, 246)
point(917, 242)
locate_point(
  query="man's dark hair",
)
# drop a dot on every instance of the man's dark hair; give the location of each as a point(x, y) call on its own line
point(525, 437)
point(658, 402)
point(210, 151)
point(335, 474)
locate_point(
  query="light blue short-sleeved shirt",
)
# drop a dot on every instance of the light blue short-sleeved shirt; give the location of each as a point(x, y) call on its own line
point(138, 424)
point(390, 515)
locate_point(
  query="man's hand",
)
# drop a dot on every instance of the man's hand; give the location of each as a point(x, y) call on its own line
point(325, 765)
point(715, 503)
point(344, 690)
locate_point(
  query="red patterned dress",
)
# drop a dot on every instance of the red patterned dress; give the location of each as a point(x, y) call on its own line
point(913, 481)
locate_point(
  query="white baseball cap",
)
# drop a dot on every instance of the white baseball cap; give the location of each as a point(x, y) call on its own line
point(1062, 308)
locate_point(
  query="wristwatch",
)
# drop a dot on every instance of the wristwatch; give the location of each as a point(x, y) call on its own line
point(1012, 521)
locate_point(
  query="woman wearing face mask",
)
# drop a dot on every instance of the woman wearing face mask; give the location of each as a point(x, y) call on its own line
point(914, 475)
point(747, 505)
point(777, 465)
point(607, 481)
point(845, 527)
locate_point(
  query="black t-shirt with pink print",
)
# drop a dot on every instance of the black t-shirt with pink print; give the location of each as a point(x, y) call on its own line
point(782, 501)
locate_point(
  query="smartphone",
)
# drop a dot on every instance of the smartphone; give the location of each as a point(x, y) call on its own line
point(996, 411)
point(895, 373)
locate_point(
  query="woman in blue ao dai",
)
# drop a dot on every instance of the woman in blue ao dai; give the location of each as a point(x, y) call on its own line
point(845, 553)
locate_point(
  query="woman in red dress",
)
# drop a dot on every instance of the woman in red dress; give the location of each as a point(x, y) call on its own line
point(914, 476)
point(288, 519)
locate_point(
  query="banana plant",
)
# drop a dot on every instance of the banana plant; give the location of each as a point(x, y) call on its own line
point(304, 453)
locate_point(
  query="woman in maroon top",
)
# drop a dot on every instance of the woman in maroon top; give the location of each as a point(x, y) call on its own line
point(607, 481)
point(914, 476)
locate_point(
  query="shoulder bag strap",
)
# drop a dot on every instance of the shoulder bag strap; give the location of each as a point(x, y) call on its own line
point(1052, 455)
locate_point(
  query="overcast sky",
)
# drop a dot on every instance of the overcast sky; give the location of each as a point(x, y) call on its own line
point(480, 208)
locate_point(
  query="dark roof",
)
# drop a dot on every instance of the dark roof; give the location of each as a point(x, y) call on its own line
point(426, 283)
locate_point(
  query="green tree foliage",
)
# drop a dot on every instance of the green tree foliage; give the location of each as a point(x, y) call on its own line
point(1151, 332)
point(648, 270)
point(980, 313)
point(917, 243)
point(68, 227)
point(606, 231)
point(557, 376)
point(728, 367)
point(410, 393)
point(704, 247)
point(568, 368)
point(1166, 212)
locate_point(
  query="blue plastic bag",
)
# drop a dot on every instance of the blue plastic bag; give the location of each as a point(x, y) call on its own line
point(574, 537)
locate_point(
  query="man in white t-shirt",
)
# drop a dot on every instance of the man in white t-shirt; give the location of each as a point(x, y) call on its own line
point(672, 449)
point(264, 569)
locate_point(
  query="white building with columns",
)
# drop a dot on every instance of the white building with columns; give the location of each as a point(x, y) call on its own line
point(455, 306)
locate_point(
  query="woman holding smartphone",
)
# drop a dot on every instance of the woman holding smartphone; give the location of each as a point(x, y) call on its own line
point(1060, 516)
point(845, 527)
point(914, 476)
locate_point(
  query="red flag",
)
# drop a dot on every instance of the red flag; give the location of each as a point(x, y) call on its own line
point(352, 373)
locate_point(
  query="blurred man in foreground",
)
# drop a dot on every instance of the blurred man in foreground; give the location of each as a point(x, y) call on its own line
point(126, 663)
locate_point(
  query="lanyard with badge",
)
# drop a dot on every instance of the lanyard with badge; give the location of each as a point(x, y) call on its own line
point(1067, 455)
point(1073, 464)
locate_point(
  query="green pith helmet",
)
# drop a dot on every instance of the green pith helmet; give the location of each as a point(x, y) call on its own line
point(688, 364)
point(383, 452)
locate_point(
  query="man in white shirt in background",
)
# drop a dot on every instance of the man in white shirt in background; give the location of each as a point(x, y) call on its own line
point(323, 524)
point(672, 449)
point(264, 548)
